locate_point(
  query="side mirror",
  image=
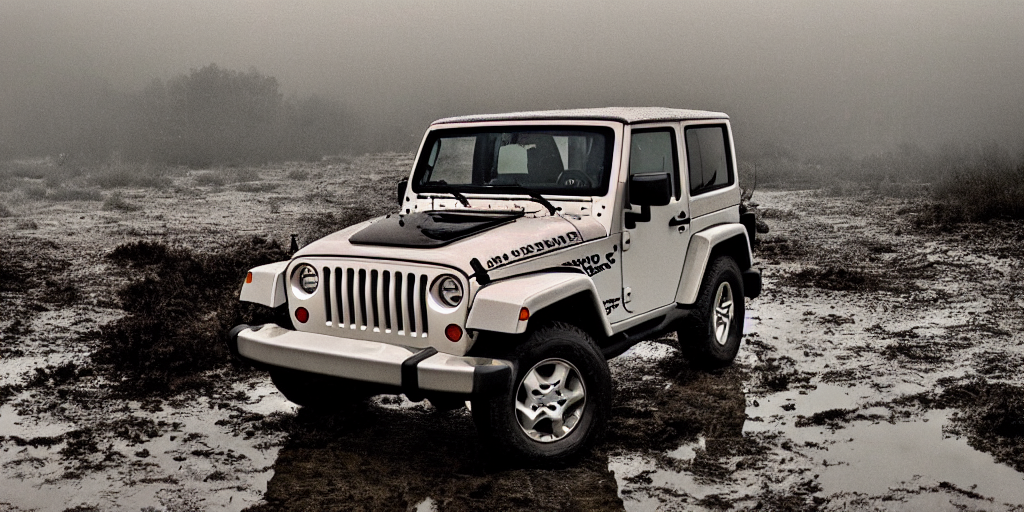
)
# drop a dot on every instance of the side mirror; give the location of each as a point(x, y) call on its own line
point(652, 189)
point(402, 187)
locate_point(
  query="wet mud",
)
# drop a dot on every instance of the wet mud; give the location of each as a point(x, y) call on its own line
point(880, 371)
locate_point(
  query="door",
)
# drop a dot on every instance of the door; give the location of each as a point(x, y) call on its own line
point(654, 250)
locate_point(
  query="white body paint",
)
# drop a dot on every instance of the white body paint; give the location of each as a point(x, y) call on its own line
point(627, 275)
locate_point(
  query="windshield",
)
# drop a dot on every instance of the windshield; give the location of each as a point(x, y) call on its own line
point(549, 160)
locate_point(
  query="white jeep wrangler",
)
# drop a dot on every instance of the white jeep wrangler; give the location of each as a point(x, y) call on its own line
point(529, 248)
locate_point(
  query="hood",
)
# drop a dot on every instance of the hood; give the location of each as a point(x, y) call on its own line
point(494, 239)
point(432, 228)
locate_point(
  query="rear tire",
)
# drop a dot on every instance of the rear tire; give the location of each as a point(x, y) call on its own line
point(711, 336)
point(558, 404)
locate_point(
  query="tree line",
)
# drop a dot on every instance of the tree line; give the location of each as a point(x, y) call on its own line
point(210, 115)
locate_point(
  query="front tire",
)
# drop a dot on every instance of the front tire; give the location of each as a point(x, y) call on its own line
point(711, 337)
point(559, 402)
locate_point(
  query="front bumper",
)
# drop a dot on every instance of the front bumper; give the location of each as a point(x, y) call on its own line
point(414, 371)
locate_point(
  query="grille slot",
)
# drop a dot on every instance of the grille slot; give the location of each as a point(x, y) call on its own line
point(376, 300)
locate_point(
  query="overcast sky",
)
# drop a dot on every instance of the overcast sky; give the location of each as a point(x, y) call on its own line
point(813, 75)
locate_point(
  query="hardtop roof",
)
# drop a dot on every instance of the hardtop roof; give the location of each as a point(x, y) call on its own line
point(628, 115)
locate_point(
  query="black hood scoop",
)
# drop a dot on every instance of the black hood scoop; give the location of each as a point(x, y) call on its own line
point(434, 228)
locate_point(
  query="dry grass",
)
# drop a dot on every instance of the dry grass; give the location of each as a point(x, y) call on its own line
point(115, 202)
point(74, 194)
point(967, 183)
point(178, 309)
point(298, 174)
point(209, 179)
point(122, 175)
point(256, 188)
point(978, 195)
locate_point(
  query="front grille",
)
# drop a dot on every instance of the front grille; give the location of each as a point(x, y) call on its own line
point(365, 298)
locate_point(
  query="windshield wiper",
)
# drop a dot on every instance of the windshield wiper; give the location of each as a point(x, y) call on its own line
point(534, 195)
point(442, 186)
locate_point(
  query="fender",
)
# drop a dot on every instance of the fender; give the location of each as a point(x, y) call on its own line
point(496, 306)
point(266, 286)
point(698, 253)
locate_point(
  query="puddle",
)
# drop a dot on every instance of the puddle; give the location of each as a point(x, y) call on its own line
point(200, 463)
point(872, 457)
point(426, 505)
point(779, 409)
point(869, 458)
point(688, 451)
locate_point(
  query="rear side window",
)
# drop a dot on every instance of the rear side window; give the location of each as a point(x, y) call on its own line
point(707, 152)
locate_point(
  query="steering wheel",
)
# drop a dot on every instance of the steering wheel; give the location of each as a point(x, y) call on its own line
point(574, 179)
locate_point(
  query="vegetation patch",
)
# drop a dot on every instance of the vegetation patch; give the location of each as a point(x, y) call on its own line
point(178, 310)
point(210, 179)
point(115, 202)
point(33, 191)
point(921, 351)
point(123, 175)
point(778, 248)
point(992, 418)
point(990, 415)
point(832, 418)
point(676, 406)
point(53, 376)
point(27, 264)
point(990, 190)
point(256, 187)
point(74, 194)
point(998, 365)
point(842, 278)
point(8, 391)
point(298, 174)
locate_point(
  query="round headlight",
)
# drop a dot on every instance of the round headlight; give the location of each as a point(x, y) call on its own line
point(449, 290)
point(308, 278)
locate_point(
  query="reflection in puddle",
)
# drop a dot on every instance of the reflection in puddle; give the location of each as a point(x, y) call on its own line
point(426, 505)
point(868, 456)
point(688, 451)
point(874, 457)
point(750, 319)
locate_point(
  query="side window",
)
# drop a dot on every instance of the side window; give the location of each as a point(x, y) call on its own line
point(707, 153)
point(654, 151)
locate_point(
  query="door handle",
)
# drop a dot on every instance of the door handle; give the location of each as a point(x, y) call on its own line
point(680, 220)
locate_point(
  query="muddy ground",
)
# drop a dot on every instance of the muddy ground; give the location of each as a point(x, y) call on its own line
point(881, 368)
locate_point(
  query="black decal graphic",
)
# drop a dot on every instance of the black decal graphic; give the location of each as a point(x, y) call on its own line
point(523, 252)
point(593, 264)
point(610, 305)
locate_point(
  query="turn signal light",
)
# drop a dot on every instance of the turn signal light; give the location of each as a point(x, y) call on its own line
point(248, 278)
point(453, 332)
point(524, 314)
point(302, 315)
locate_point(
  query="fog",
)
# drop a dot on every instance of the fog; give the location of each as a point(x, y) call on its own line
point(814, 77)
